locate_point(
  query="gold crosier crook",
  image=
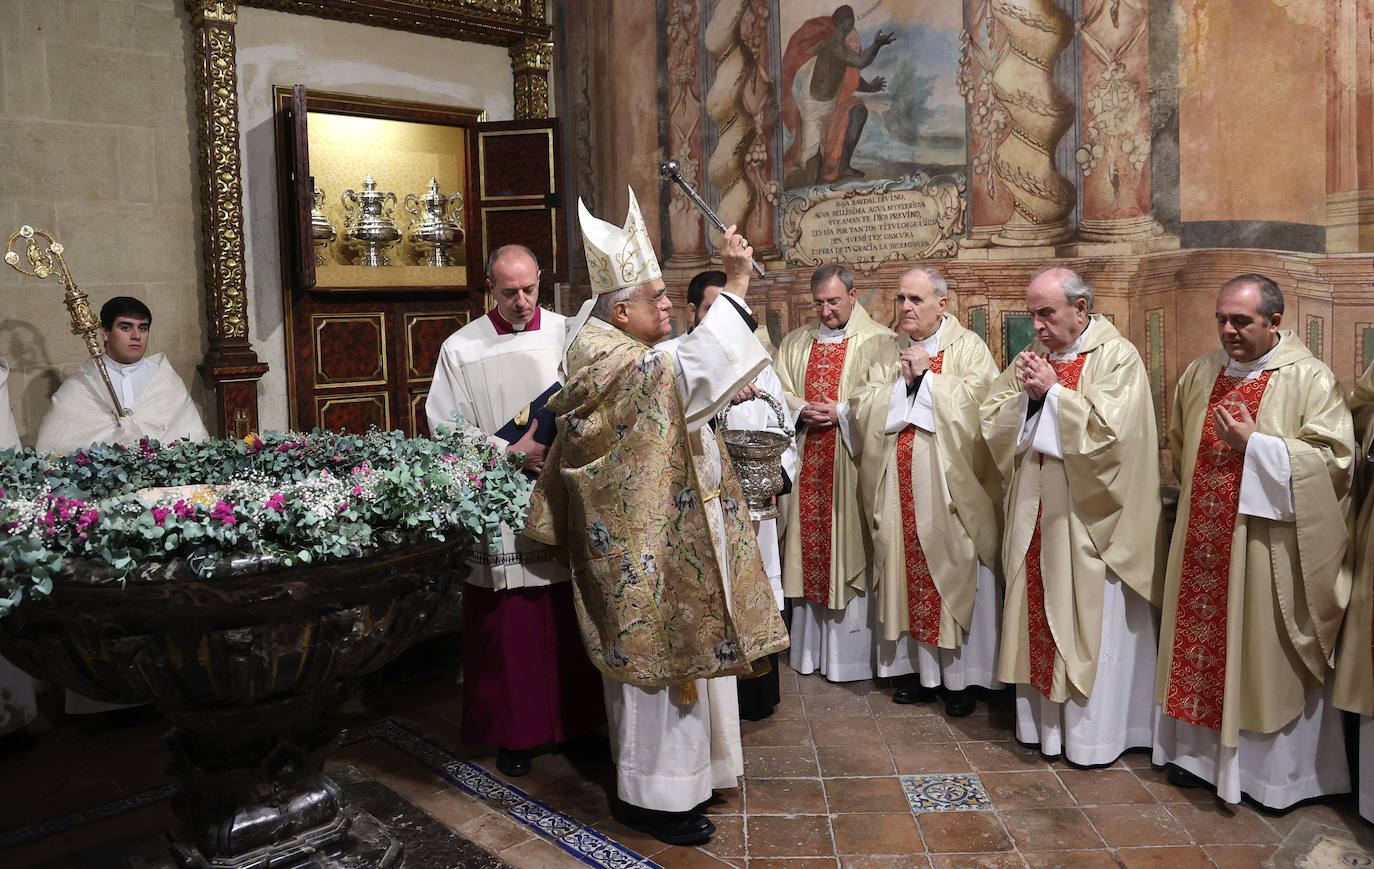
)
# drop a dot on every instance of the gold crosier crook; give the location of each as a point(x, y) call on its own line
point(45, 264)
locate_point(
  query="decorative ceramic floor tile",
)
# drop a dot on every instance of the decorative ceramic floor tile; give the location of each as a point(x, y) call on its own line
point(945, 792)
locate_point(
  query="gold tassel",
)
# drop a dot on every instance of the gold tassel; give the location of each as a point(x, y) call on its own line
point(687, 693)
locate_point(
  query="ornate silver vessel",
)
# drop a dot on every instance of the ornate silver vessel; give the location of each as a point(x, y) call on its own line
point(437, 224)
point(322, 232)
point(757, 457)
point(369, 225)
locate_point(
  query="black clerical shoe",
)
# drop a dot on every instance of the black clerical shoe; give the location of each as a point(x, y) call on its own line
point(513, 762)
point(1181, 778)
point(959, 703)
point(910, 690)
point(672, 828)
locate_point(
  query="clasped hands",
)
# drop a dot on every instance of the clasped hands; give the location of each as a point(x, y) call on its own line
point(820, 415)
point(1035, 374)
point(915, 362)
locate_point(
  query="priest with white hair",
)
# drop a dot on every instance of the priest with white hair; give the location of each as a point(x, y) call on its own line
point(637, 493)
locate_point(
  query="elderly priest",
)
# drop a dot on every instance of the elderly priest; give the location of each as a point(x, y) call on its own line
point(158, 405)
point(525, 676)
point(671, 593)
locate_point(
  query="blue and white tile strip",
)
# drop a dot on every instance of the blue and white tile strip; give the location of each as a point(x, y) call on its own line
point(581, 841)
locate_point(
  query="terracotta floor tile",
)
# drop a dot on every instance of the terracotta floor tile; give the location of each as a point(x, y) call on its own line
point(1032, 789)
point(1136, 758)
point(787, 680)
point(915, 730)
point(452, 807)
point(587, 801)
point(1137, 826)
point(1069, 859)
point(884, 861)
point(817, 685)
point(921, 759)
point(692, 858)
point(1002, 756)
point(865, 795)
point(726, 801)
point(1335, 812)
point(1220, 824)
point(1050, 829)
point(789, 707)
point(798, 836)
point(780, 762)
point(983, 724)
point(977, 861)
point(1104, 787)
point(846, 731)
point(793, 863)
point(880, 704)
point(776, 731)
point(841, 705)
point(876, 834)
point(728, 839)
point(854, 760)
point(1240, 856)
point(494, 832)
point(1186, 857)
point(963, 832)
point(1154, 779)
point(630, 837)
point(785, 796)
point(540, 854)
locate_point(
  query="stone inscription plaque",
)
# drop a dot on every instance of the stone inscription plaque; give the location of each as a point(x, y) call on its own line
point(866, 225)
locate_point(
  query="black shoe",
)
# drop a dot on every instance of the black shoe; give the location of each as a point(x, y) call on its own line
point(672, 828)
point(513, 762)
point(910, 690)
point(959, 703)
point(1181, 778)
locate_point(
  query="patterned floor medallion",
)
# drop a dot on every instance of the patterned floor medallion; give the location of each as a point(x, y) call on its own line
point(945, 792)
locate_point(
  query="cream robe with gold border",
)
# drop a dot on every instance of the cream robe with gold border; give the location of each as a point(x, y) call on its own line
point(1280, 740)
point(955, 485)
point(1353, 688)
point(869, 343)
point(1101, 506)
point(82, 414)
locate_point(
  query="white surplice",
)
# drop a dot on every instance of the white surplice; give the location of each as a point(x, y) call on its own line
point(1120, 713)
point(670, 756)
point(1305, 759)
point(487, 378)
point(82, 414)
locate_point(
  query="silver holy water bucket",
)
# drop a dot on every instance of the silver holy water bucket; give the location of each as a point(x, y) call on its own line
point(757, 457)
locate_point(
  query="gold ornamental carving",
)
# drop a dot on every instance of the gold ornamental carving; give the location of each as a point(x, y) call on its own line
point(530, 60)
point(494, 22)
point(1023, 83)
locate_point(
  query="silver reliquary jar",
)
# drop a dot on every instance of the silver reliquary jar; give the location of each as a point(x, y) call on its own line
point(437, 225)
point(369, 225)
point(322, 232)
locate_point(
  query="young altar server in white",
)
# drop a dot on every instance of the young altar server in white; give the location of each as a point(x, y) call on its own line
point(148, 387)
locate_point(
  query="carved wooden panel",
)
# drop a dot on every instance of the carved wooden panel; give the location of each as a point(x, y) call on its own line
point(424, 334)
point(516, 181)
point(350, 349)
point(525, 166)
point(419, 423)
point(354, 413)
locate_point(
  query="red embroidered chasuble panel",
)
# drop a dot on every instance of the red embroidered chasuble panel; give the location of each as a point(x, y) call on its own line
point(1197, 669)
point(1042, 648)
point(922, 598)
point(816, 495)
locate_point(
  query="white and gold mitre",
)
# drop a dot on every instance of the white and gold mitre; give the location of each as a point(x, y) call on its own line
point(617, 257)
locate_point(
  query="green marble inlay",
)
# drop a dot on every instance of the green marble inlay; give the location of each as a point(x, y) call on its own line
point(1314, 336)
point(1368, 348)
point(1154, 329)
point(1017, 333)
point(978, 322)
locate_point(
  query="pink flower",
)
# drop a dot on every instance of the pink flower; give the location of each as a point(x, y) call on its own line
point(82, 459)
point(159, 515)
point(184, 510)
point(357, 491)
point(224, 513)
point(276, 502)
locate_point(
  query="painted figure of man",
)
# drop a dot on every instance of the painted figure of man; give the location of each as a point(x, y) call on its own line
point(525, 676)
point(1257, 583)
point(1072, 427)
point(933, 493)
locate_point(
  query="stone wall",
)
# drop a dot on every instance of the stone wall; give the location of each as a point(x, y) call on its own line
point(97, 147)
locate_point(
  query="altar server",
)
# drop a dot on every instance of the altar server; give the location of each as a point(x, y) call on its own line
point(933, 492)
point(159, 406)
point(1071, 425)
point(525, 676)
point(1257, 581)
point(826, 549)
point(670, 590)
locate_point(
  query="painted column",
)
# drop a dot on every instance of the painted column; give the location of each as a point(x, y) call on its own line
point(988, 122)
point(1350, 126)
point(686, 223)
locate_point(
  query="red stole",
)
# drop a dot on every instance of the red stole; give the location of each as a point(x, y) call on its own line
point(922, 598)
point(1042, 648)
point(816, 498)
point(1197, 668)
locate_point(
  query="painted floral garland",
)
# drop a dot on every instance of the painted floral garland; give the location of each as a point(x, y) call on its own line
point(300, 498)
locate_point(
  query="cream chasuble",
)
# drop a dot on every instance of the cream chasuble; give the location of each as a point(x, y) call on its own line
point(1096, 508)
point(82, 414)
point(865, 343)
point(1288, 585)
point(488, 378)
point(1354, 676)
point(951, 488)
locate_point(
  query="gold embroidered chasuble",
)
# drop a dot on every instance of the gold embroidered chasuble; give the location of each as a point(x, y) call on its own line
point(1353, 689)
point(868, 343)
point(1099, 505)
point(1289, 581)
point(954, 484)
point(622, 495)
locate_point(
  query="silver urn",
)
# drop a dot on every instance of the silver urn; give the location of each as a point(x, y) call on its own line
point(757, 457)
point(369, 226)
point(322, 232)
point(436, 225)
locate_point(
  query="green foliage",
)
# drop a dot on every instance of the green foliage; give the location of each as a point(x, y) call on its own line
point(301, 498)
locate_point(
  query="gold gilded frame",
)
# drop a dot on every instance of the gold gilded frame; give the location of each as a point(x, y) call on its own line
point(231, 367)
